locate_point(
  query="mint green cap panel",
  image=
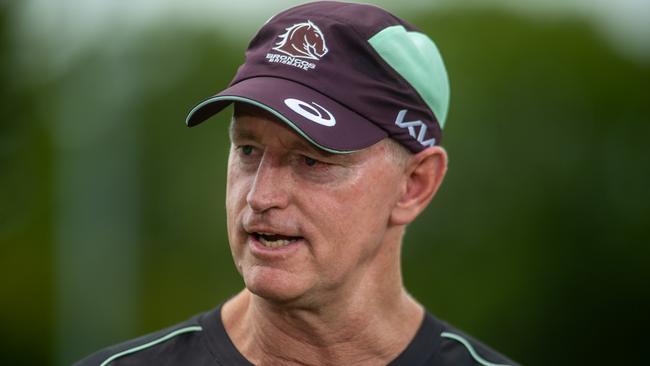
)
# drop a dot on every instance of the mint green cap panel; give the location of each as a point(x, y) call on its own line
point(416, 58)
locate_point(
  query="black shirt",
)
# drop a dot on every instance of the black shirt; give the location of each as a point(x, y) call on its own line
point(203, 340)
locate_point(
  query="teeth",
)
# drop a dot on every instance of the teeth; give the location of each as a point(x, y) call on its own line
point(264, 239)
point(274, 243)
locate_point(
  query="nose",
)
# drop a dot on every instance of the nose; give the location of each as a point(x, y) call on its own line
point(271, 185)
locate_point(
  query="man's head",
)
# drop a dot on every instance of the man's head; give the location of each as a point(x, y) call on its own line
point(335, 147)
point(304, 223)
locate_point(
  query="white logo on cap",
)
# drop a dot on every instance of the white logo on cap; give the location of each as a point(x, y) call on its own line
point(411, 125)
point(312, 112)
point(302, 40)
point(299, 45)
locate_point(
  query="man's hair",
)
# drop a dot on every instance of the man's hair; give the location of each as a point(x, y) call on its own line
point(397, 152)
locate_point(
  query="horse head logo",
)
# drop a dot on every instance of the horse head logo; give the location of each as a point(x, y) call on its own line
point(302, 40)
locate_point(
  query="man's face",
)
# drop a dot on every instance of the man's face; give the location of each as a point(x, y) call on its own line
point(302, 223)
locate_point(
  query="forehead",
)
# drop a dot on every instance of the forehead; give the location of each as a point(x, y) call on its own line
point(254, 123)
point(249, 119)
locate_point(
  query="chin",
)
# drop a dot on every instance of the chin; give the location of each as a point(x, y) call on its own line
point(273, 285)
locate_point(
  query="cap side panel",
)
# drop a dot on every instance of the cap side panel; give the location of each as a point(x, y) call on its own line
point(416, 58)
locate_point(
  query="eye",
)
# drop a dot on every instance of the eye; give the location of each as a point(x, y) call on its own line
point(309, 161)
point(246, 149)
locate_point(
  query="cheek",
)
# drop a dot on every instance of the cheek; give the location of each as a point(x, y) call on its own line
point(369, 199)
point(236, 187)
point(236, 192)
point(354, 217)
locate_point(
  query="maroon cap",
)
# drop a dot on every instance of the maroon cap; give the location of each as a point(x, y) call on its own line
point(344, 76)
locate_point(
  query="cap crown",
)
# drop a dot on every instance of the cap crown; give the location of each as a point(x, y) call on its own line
point(364, 58)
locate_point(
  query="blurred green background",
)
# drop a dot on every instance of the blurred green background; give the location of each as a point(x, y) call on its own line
point(112, 211)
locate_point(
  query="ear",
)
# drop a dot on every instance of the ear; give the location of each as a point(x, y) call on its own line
point(424, 173)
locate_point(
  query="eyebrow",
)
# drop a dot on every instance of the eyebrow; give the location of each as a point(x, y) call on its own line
point(303, 145)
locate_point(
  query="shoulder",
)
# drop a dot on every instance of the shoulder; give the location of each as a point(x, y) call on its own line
point(458, 348)
point(175, 345)
point(439, 344)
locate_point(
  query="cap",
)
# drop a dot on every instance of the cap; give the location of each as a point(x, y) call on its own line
point(344, 76)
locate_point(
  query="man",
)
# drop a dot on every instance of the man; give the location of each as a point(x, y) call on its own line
point(335, 149)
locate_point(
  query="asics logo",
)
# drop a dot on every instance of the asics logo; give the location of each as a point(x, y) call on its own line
point(312, 112)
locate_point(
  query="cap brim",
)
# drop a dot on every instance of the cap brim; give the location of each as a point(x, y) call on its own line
point(322, 121)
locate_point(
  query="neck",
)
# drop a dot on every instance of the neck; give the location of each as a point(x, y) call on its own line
point(372, 322)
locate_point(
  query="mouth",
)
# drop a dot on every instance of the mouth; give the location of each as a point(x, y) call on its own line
point(271, 240)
